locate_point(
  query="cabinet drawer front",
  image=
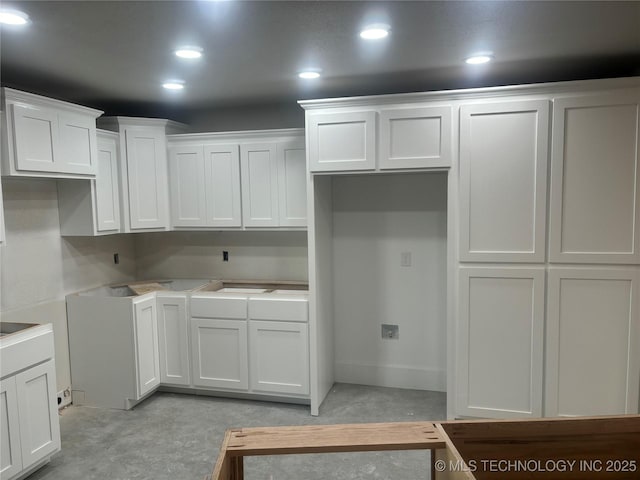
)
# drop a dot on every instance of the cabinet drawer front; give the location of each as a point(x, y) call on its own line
point(292, 310)
point(217, 307)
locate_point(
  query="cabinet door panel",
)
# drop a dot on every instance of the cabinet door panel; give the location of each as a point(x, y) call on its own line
point(173, 337)
point(220, 353)
point(146, 346)
point(222, 177)
point(77, 144)
point(35, 138)
point(292, 184)
point(147, 178)
point(415, 138)
point(107, 190)
point(38, 412)
point(595, 214)
point(279, 357)
point(500, 342)
point(341, 141)
point(259, 185)
point(593, 362)
point(503, 181)
point(10, 450)
point(187, 180)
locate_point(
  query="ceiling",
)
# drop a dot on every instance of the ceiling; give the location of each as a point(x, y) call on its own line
point(114, 55)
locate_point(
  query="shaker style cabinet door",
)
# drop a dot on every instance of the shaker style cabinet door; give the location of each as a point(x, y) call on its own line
point(595, 180)
point(10, 449)
point(503, 181)
point(146, 160)
point(78, 151)
point(292, 184)
point(259, 174)
point(187, 182)
point(415, 138)
point(173, 339)
point(107, 189)
point(500, 342)
point(341, 141)
point(222, 181)
point(38, 413)
point(146, 345)
point(592, 348)
point(35, 138)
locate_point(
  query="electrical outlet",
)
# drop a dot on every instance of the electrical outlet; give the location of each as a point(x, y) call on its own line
point(225, 256)
point(405, 259)
point(64, 398)
point(390, 331)
point(116, 258)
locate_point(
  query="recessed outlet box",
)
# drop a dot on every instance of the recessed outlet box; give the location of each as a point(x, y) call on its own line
point(390, 331)
point(225, 256)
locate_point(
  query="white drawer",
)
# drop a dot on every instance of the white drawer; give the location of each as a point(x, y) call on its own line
point(219, 307)
point(283, 309)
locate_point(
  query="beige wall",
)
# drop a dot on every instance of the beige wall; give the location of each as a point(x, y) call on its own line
point(39, 267)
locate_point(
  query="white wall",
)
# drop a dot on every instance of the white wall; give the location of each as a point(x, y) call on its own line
point(38, 267)
point(375, 219)
point(252, 255)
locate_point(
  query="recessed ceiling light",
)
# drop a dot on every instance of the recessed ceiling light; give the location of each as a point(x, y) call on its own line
point(13, 17)
point(479, 59)
point(375, 31)
point(189, 52)
point(309, 74)
point(173, 85)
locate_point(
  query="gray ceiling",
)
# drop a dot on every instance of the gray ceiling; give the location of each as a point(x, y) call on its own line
point(115, 54)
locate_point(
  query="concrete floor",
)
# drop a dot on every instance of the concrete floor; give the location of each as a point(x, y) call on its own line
point(172, 436)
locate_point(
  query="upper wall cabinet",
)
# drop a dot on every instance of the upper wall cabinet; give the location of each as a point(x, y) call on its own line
point(92, 207)
point(47, 138)
point(595, 177)
point(341, 141)
point(379, 138)
point(205, 185)
point(253, 179)
point(415, 138)
point(143, 156)
point(503, 181)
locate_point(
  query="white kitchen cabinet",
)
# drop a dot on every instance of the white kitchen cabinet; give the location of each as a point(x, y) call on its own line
point(500, 342)
point(48, 138)
point(503, 181)
point(147, 358)
point(144, 171)
point(595, 180)
point(592, 348)
point(222, 181)
point(341, 141)
point(188, 189)
point(205, 185)
point(292, 183)
point(173, 338)
point(259, 179)
point(415, 138)
point(219, 342)
point(29, 424)
point(38, 413)
point(92, 207)
point(2, 230)
point(10, 449)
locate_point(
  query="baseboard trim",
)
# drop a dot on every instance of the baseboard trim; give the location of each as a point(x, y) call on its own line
point(393, 376)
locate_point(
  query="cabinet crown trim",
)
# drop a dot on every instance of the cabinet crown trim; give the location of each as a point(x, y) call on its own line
point(244, 135)
point(17, 96)
point(552, 88)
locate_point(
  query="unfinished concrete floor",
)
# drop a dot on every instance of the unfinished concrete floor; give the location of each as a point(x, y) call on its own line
point(172, 436)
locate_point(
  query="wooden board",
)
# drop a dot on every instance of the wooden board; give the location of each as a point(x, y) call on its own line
point(334, 438)
point(142, 288)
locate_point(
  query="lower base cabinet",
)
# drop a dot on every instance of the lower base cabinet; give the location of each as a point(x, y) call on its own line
point(279, 357)
point(29, 425)
point(220, 353)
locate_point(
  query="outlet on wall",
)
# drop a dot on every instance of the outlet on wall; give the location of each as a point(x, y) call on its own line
point(64, 398)
point(390, 331)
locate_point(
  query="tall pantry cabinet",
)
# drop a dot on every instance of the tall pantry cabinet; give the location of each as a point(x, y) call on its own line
point(580, 355)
